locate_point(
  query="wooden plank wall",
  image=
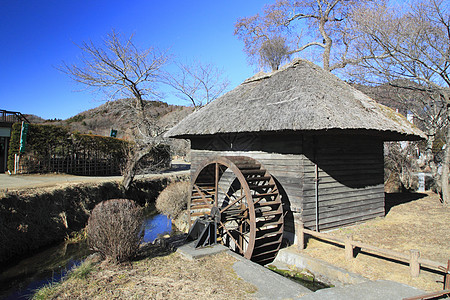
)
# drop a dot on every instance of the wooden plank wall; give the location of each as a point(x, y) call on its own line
point(351, 187)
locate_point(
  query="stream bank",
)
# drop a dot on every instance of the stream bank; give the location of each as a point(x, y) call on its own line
point(52, 264)
point(32, 219)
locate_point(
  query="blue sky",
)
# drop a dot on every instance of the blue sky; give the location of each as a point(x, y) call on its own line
point(37, 35)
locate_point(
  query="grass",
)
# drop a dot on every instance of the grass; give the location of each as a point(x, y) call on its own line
point(82, 271)
point(413, 221)
point(157, 274)
point(45, 292)
point(77, 236)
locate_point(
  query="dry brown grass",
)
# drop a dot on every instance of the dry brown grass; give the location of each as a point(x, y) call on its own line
point(160, 276)
point(412, 223)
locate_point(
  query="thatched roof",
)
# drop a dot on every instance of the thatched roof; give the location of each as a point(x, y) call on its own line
point(301, 97)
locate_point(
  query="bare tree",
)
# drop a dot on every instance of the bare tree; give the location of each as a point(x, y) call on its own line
point(197, 83)
point(416, 47)
point(322, 25)
point(397, 163)
point(428, 109)
point(274, 52)
point(118, 68)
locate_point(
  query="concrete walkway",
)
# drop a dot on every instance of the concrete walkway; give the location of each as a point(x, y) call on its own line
point(370, 290)
point(288, 258)
point(271, 285)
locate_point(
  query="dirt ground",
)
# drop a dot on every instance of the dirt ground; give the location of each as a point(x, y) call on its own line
point(157, 275)
point(413, 221)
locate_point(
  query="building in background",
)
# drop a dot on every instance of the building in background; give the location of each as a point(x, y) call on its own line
point(7, 119)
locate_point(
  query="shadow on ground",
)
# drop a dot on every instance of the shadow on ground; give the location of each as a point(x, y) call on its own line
point(394, 199)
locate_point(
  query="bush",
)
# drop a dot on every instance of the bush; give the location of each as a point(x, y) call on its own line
point(115, 229)
point(173, 199)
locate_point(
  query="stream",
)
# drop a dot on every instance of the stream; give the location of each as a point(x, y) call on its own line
point(20, 280)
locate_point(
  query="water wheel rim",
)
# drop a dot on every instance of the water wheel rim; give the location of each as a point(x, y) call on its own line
point(230, 164)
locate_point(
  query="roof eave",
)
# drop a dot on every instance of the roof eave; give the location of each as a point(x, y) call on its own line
point(386, 135)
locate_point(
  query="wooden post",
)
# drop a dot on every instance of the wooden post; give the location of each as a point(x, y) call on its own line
point(348, 247)
point(414, 266)
point(447, 277)
point(299, 234)
point(301, 237)
point(15, 163)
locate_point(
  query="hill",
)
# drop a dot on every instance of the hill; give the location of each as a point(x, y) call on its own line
point(34, 119)
point(119, 115)
point(384, 94)
point(402, 95)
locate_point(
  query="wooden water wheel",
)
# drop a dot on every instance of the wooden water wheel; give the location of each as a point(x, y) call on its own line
point(244, 199)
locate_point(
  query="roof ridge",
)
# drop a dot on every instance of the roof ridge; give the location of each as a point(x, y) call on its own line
point(263, 75)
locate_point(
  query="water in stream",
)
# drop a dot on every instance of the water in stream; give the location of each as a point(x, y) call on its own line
point(50, 265)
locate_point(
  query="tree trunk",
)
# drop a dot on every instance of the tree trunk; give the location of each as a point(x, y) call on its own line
point(431, 137)
point(128, 177)
point(326, 56)
point(429, 159)
point(147, 128)
point(130, 170)
point(328, 44)
point(445, 171)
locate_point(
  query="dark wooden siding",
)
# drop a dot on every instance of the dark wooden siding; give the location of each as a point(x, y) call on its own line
point(350, 172)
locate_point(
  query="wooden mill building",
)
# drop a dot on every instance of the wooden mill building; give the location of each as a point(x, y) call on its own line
point(320, 139)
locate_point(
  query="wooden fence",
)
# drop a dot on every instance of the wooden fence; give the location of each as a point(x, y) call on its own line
point(70, 165)
point(413, 259)
point(434, 295)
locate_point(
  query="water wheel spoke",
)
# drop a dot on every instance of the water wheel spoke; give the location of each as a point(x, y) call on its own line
point(206, 202)
point(232, 188)
point(232, 203)
point(243, 236)
point(226, 194)
point(231, 236)
point(222, 225)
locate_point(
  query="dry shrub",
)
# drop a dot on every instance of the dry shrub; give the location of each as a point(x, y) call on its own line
point(115, 229)
point(173, 199)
